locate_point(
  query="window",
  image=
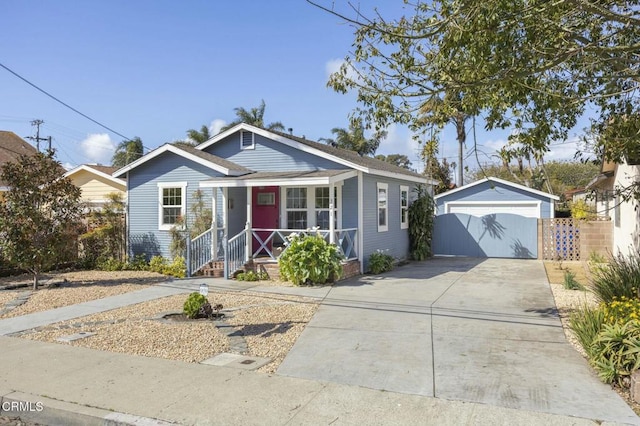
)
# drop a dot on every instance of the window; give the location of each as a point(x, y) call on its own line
point(322, 205)
point(172, 200)
point(404, 207)
point(296, 206)
point(266, 199)
point(382, 207)
point(247, 140)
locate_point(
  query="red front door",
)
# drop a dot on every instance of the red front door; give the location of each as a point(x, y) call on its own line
point(266, 202)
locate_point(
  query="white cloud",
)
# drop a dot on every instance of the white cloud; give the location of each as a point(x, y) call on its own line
point(98, 148)
point(68, 166)
point(216, 125)
point(333, 66)
point(400, 141)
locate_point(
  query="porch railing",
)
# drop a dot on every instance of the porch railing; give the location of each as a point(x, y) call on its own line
point(266, 239)
point(204, 249)
point(235, 253)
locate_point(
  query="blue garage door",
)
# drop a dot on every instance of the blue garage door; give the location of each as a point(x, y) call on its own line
point(495, 235)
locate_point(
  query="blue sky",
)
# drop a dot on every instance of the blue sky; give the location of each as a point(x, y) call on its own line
point(155, 69)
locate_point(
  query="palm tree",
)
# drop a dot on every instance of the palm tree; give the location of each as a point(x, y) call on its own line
point(127, 151)
point(198, 137)
point(353, 139)
point(255, 117)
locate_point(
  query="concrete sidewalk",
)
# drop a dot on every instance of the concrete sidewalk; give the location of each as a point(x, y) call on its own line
point(78, 386)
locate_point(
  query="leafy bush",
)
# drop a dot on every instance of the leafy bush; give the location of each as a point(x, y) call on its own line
point(138, 263)
point(595, 257)
point(192, 305)
point(380, 262)
point(570, 282)
point(586, 323)
point(247, 276)
point(421, 225)
point(620, 279)
point(616, 351)
point(157, 264)
point(581, 210)
point(310, 260)
point(177, 268)
point(110, 264)
point(622, 310)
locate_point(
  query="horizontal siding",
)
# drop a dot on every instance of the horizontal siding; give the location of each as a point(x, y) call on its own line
point(394, 241)
point(269, 155)
point(494, 191)
point(144, 235)
point(95, 188)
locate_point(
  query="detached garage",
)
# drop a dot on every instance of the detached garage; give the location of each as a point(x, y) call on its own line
point(490, 218)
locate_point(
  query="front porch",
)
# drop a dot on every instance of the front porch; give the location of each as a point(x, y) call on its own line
point(254, 215)
point(258, 246)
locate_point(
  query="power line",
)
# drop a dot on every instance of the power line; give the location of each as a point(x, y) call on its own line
point(61, 102)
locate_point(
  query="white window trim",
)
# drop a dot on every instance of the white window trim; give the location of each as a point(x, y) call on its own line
point(385, 186)
point(311, 205)
point(253, 140)
point(404, 224)
point(183, 206)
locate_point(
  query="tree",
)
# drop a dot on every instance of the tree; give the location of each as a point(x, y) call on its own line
point(105, 238)
point(354, 139)
point(39, 214)
point(255, 117)
point(399, 160)
point(531, 65)
point(439, 171)
point(127, 151)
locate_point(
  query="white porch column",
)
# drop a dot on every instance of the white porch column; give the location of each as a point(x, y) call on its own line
point(225, 210)
point(214, 225)
point(332, 209)
point(249, 245)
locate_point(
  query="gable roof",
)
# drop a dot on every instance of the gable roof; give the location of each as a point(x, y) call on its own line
point(105, 172)
point(12, 146)
point(500, 181)
point(211, 161)
point(337, 155)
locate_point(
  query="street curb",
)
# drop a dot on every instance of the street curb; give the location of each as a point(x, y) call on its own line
point(52, 412)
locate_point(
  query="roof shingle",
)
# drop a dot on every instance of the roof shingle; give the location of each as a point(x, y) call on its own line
point(13, 146)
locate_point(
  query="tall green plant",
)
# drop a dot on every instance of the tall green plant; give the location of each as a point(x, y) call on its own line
point(39, 215)
point(620, 279)
point(586, 323)
point(309, 259)
point(421, 225)
point(105, 238)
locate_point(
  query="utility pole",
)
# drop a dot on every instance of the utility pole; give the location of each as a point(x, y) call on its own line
point(37, 138)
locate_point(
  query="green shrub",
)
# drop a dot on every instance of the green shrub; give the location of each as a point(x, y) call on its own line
point(247, 276)
point(380, 262)
point(138, 263)
point(595, 257)
point(177, 268)
point(421, 218)
point(622, 310)
point(586, 323)
point(157, 264)
point(192, 305)
point(310, 260)
point(616, 351)
point(263, 276)
point(570, 282)
point(620, 279)
point(110, 264)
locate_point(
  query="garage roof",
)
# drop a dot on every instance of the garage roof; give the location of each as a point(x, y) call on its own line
point(501, 181)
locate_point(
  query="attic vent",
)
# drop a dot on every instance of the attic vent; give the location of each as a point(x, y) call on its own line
point(246, 140)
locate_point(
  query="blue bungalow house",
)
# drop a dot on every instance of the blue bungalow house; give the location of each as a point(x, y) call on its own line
point(262, 186)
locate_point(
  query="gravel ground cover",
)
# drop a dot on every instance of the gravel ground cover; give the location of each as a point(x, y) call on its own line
point(568, 301)
point(270, 325)
point(69, 288)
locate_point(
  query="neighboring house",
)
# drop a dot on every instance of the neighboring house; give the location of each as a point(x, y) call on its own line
point(96, 183)
point(12, 146)
point(625, 214)
point(490, 218)
point(493, 195)
point(262, 186)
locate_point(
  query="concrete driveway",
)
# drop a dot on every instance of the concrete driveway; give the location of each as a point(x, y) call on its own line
point(479, 330)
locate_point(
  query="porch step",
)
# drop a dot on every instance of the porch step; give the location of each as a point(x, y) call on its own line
point(213, 269)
